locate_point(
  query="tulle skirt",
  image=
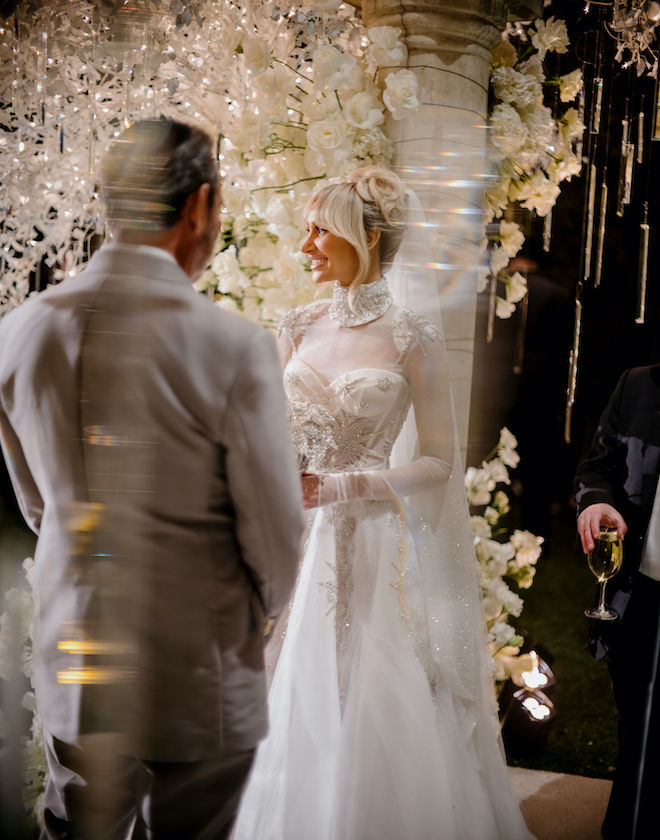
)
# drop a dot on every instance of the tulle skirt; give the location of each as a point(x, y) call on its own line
point(365, 742)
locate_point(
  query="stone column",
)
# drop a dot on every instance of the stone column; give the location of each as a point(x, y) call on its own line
point(441, 150)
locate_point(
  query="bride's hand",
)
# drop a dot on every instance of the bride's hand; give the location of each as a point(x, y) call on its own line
point(310, 489)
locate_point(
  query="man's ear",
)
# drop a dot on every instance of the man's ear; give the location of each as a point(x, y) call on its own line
point(196, 210)
point(373, 238)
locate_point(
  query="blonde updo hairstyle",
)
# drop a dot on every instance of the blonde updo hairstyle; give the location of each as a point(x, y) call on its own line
point(370, 198)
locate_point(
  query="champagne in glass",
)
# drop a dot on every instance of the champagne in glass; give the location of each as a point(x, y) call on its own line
point(604, 562)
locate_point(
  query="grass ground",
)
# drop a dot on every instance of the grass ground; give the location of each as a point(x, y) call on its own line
point(583, 738)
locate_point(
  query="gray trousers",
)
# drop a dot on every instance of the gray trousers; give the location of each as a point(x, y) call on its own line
point(95, 793)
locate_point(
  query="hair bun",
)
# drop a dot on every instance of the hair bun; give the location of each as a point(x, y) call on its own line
point(381, 187)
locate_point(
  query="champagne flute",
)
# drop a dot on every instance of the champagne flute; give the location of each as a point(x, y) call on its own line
point(604, 562)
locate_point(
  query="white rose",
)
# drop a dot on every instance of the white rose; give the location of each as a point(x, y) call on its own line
point(331, 138)
point(550, 36)
point(331, 67)
point(400, 93)
point(387, 49)
point(277, 213)
point(508, 132)
point(511, 237)
point(289, 273)
point(257, 55)
point(570, 85)
point(323, 108)
point(515, 88)
point(225, 266)
point(364, 111)
point(235, 199)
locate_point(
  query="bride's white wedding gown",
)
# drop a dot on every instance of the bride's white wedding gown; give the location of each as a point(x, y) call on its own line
point(381, 724)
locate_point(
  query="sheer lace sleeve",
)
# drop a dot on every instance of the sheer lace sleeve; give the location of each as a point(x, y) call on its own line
point(425, 364)
point(292, 326)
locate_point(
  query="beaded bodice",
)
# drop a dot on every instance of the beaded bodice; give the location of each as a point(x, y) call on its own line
point(348, 388)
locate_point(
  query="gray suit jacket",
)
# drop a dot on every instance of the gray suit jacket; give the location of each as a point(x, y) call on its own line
point(146, 437)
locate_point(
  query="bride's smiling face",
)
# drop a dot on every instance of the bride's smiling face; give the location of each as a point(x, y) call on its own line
point(331, 257)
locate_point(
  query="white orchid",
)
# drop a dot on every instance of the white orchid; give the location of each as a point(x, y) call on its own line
point(570, 85)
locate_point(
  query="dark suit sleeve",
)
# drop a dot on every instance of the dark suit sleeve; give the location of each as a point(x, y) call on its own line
point(263, 478)
point(27, 494)
point(601, 476)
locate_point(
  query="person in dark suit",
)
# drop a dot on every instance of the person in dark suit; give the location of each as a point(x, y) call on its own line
point(146, 435)
point(616, 487)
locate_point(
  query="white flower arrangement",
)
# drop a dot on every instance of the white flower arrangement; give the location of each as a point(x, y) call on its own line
point(504, 559)
point(296, 95)
point(532, 149)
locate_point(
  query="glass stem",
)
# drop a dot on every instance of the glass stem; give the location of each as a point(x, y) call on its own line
point(601, 599)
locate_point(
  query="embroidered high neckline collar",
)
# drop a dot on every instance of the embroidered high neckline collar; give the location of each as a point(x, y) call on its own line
point(371, 302)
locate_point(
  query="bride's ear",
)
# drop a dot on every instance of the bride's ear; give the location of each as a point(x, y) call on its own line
point(373, 238)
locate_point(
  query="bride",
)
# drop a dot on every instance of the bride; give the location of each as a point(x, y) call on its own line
point(382, 717)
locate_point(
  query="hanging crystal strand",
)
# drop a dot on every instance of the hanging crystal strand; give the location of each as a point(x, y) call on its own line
point(61, 125)
point(580, 142)
point(572, 369)
point(42, 66)
point(642, 268)
point(547, 230)
point(14, 68)
point(93, 96)
point(597, 105)
point(492, 294)
point(600, 242)
point(590, 222)
point(623, 165)
point(640, 132)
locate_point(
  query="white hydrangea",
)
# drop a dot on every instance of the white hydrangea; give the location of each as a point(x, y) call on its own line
point(571, 126)
point(480, 527)
point(533, 66)
point(499, 259)
point(400, 94)
point(516, 88)
point(527, 546)
point(509, 133)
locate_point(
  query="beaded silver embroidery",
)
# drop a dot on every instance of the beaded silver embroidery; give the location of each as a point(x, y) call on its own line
point(410, 330)
point(371, 302)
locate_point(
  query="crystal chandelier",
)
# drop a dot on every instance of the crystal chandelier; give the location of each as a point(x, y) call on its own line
point(633, 28)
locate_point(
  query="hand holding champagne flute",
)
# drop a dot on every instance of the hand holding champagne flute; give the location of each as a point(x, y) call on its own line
point(604, 561)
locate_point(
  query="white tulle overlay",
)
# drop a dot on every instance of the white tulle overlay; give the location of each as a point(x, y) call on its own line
point(382, 716)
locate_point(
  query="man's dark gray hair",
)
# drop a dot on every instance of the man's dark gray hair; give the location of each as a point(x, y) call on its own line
point(149, 171)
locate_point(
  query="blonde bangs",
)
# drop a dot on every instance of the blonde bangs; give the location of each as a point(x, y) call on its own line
point(339, 209)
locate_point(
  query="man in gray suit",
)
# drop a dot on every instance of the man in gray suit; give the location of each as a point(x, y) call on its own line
point(146, 437)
